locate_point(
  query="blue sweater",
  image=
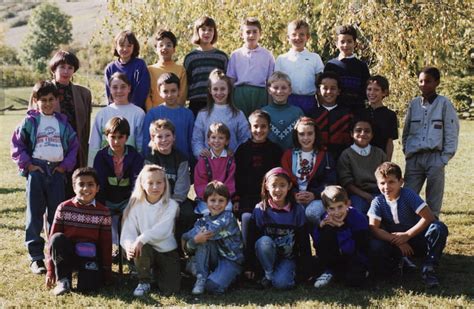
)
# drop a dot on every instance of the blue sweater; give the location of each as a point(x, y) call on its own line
point(137, 73)
point(284, 118)
point(183, 120)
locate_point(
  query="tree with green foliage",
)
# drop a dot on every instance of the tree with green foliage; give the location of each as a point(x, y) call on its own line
point(48, 28)
point(397, 38)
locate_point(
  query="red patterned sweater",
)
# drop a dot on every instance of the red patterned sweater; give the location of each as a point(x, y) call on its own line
point(85, 223)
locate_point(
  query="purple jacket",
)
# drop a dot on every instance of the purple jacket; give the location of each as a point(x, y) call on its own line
point(24, 141)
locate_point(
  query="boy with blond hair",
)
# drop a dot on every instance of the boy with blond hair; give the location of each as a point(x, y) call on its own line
point(301, 65)
point(249, 67)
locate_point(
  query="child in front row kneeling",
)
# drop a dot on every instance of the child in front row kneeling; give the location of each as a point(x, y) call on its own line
point(148, 232)
point(217, 243)
point(341, 240)
point(80, 238)
point(403, 226)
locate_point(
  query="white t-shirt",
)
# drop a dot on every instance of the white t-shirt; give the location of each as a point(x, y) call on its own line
point(48, 140)
point(304, 167)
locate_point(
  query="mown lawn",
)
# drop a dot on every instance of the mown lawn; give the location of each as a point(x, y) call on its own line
point(18, 287)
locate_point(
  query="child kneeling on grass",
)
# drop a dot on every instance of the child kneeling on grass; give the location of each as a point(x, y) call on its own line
point(403, 225)
point(217, 243)
point(148, 232)
point(80, 238)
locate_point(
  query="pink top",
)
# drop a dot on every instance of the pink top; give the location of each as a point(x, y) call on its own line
point(251, 66)
point(218, 168)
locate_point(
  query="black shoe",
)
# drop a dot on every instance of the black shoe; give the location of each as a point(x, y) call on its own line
point(429, 277)
point(265, 283)
point(37, 267)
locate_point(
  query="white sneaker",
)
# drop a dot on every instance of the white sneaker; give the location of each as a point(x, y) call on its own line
point(199, 286)
point(63, 286)
point(323, 280)
point(141, 289)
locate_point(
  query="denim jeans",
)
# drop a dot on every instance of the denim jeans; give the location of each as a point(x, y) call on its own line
point(360, 203)
point(314, 211)
point(223, 270)
point(281, 271)
point(429, 244)
point(44, 192)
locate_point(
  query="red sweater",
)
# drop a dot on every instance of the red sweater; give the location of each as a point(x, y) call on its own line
point(85, 223)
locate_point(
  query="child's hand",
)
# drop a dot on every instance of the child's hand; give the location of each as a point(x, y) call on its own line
point(304, 197)
point(205, 153)
point(32, 168)
point(406, 249)
point(203, 236)
point(399, 238)
point(59, 169)
point(249, 274)
point(49, 281)
point(138, 245)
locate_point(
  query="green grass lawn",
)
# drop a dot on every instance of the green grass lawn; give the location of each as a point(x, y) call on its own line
point(18, 287)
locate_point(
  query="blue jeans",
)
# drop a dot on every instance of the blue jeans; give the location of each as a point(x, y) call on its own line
point(429, 244)
point(361, 203)
point(281, 271)
point(314, 211)
point(44, 192)
point(223, 270)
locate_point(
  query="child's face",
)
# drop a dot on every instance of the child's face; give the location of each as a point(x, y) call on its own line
point(117, 141)
point(298, 38)
point(251, 35)
point(280, 90)
point(390, 186)
point(119, 91)
point(63, 73)
point(375, 94)
point(346, 44)
point(163, 140)
point(259, 128)
point(124, 49)
point(427, 84)
point(278, 188)
point(170, 93)
point(306, 137)
point(216, 203)
point(206, 34)
point(165, 49)
point(85, 189)
point(154, 185)
point(217, 142)
point(219, 92)
point(47, 103)
point(338, 210)
point(362, 134)
point(329, 91)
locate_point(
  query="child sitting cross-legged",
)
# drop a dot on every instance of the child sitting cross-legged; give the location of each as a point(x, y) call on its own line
point(80, 238)
point(403, 225)
point(341, 240)
point(220, 165)
point(148, 232)
point(217, 243)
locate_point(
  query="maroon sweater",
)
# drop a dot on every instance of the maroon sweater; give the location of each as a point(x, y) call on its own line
point(85, 223)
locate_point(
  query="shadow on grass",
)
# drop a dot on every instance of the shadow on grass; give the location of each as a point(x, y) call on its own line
point(458, 212)
point(11, 190)
point(12, 227)
point(12, 210)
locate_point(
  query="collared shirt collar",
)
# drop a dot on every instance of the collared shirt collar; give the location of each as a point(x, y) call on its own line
point(78, 202)
point(362, 151)
point(295, 52)
point(429, 100)
point(111, 153)
point(351, 56)
point(222, 155)
point(248, 50)
point(286, 208)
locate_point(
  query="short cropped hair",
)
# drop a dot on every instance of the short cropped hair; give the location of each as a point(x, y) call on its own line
point(201, 22)
point(432, 71)
point(333, 194)
point(168, 78)
point(117, 125)
point(258, 113)
point(85, 171)
point(330, 75)
point(63, 57)
point(162, 124)
point(43, 88)
point(347, 29)
point(298, 24)
point(361, 118)
point(218, 128)
point(163, 33)
point(131, 38)
point(379, 80)
point(251, 21)
point(388, 168)
point(216, 187)
point(276, 76)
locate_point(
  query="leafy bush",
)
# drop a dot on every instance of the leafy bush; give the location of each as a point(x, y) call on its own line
point(459, 90)
point(18, 76)
point(8, 56)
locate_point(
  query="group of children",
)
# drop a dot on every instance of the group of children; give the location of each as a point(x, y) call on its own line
point(266, 145)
